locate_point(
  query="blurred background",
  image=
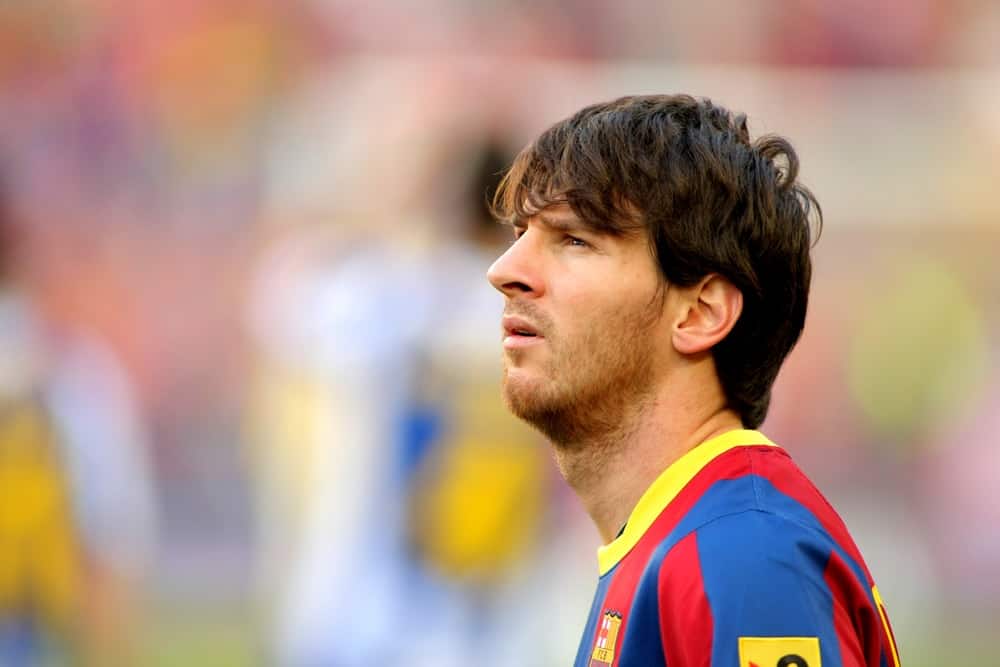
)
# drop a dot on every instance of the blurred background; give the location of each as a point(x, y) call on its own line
point(248, 390)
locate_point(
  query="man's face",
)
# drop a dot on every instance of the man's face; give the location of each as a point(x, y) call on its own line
point(583, 336)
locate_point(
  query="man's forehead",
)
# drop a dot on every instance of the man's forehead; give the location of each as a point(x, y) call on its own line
point(559, 215)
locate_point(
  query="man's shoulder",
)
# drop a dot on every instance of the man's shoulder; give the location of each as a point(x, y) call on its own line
point(754, 492)
point(743, 480)
point(761, 510)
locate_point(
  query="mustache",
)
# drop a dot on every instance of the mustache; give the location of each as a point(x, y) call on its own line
point(530, 312)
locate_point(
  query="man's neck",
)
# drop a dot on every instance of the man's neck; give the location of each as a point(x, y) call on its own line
point(610, 476)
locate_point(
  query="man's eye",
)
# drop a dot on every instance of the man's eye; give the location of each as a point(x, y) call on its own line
point(576, 242)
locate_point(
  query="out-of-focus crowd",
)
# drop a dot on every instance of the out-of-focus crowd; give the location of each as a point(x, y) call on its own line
point(249, 407)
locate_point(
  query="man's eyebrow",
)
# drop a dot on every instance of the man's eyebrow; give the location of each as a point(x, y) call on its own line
point(562, 223)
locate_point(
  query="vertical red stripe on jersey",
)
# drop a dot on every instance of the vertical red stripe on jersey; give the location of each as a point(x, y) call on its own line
point(685, 616)
point(837, 577)
point(856, 623)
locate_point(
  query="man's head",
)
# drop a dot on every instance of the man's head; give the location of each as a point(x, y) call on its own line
point(652, 233)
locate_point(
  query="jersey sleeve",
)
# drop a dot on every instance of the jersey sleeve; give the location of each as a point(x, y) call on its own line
point(755, 589)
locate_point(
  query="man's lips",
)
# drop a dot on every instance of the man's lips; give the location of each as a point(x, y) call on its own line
point(517, 326)
point(519, 332)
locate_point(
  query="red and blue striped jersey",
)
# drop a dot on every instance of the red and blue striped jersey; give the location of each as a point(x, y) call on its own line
point(733, 557)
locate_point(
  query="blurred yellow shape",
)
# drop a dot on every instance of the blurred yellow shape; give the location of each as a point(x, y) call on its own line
point(38, 553)
point(481, 498)
point(920, 351)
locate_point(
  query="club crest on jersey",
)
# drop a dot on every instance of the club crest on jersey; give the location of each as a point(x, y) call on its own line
point(779, 652)
point(607, 637)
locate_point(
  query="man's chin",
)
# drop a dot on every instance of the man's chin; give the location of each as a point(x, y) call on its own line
point(534, 400)
point(523, 392)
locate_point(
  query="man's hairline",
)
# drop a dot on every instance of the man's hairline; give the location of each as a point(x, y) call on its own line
point(570, 219)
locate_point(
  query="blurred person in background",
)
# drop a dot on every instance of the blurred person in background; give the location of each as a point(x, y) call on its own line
point(75, 493)
point(401, 505)
point(658, 278)
point(40, 569)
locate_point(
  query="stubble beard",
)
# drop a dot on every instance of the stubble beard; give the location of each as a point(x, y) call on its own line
point(587, 389)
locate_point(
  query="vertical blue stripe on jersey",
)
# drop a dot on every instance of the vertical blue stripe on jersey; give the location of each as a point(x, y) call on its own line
point(783, 505)
point(764, 578)
point(778, 503)
point(596, 612)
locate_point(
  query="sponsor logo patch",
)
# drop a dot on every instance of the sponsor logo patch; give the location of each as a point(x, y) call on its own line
point(607, 637)
point(779, 652)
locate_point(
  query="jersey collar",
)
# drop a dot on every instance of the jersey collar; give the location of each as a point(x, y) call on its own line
point(666, 487)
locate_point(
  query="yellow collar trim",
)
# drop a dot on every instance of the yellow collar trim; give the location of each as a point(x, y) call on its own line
point(666, 487)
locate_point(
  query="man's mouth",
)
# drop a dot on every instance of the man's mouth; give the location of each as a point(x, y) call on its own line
point(517, 331)
point(516, 326)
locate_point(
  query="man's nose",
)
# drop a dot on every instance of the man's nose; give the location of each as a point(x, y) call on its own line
point(517, 271)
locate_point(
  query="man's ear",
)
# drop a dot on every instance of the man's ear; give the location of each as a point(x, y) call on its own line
point(710, 311)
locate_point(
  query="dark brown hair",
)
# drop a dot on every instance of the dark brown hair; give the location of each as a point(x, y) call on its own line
point(711, 201)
